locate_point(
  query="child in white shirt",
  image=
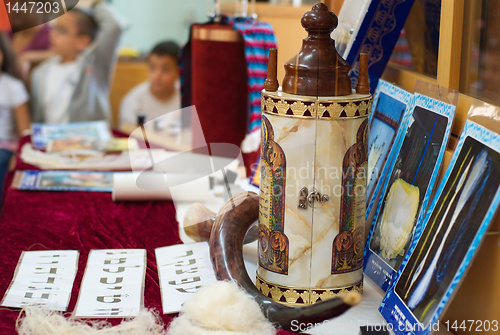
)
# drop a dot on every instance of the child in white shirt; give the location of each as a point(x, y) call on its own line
point(74, 85)
point(159, 96)
point(14, 111)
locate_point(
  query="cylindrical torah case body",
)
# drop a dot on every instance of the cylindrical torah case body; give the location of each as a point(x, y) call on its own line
point(312, 179)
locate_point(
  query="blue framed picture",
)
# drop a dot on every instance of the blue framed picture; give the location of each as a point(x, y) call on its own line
point(89, 181)
point(391, 106)
point(93, 130)
point(407, 188)
point(454, 225)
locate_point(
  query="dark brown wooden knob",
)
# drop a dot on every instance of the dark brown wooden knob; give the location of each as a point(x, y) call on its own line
point(319, 20)
point(363, 86)
point(318, 69)
point(271, 84)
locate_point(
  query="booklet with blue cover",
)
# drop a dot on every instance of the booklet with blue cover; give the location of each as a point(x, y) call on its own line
point(391, 107)
point(95, 131)
point(454, 225)
point(407, 188)
point(373, 27)
point(91, 181)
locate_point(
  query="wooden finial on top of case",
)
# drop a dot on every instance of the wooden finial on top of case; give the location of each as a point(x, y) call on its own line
point(271, 84)
point(318, 69)
point(363, 86)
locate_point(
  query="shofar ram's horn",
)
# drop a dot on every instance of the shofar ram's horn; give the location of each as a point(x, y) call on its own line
point(199, 220)
point(226, 251)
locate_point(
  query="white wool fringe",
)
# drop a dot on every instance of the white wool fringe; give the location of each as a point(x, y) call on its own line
point(221, 308)
point(251, 142)
point(39, 321)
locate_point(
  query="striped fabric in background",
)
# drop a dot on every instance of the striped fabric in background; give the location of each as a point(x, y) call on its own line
point(259, 38)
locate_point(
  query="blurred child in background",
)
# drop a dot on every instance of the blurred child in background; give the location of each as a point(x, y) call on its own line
point(74, 85)
point(14, 111)
point(30, 42)
point(160, 94)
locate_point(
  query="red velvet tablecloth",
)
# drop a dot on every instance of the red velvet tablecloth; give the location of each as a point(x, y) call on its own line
point(81, 221)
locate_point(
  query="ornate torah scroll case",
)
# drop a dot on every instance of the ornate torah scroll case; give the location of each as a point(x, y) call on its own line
point(311, 205)
point(313, 172)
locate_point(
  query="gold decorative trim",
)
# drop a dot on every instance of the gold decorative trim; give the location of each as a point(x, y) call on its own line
point(317, 109)
point(302, 295)
point(215, 34)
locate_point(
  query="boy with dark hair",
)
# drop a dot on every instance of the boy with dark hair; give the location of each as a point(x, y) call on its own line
point(74, 85)
point(85, 22)
point(160, 94)
point(167, 48)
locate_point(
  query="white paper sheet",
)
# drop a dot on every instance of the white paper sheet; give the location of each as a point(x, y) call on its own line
point(148, 185)
point(183, 269)
point(113, 284)
point(127, 160)
point(43, 278)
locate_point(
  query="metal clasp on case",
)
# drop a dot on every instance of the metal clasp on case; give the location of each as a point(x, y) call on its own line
point(307, 199)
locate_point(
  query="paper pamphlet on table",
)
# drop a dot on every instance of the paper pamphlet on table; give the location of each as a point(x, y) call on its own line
point(140, 159)
point(43, 278)
point(82, 146)
point(113, 284)
point(149, 185)
point(183, 269)
point(91, 131)
point(89, 181)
